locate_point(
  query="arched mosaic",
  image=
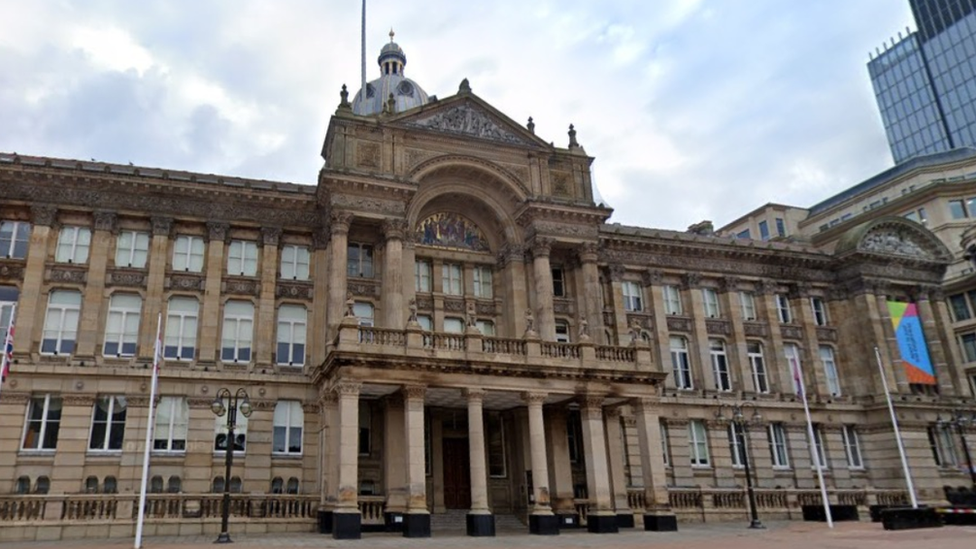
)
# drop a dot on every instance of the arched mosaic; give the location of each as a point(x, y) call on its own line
point(450, 230)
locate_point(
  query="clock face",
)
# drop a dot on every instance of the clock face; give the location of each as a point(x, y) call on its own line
point(405, 88)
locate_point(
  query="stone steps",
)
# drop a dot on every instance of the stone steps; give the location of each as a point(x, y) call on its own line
point(455, 520)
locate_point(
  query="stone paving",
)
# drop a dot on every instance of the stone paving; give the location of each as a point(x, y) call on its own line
point(777, 535)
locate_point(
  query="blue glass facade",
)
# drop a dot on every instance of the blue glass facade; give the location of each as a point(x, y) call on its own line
point(925, 84)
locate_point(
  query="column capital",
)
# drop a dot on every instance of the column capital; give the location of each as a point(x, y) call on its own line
point(652, 277)
point(729, 284)
point(589, 252)
point(800, 289)
point(511, 253)
point(591, 403)
point(162, 226)
point(414, 392)
point(691, 280)
point(923, 292)
point(541, 247)
point(44, 215)
point(644, 404)
point(217, 231)
point(612, 413)
point(106, 221)
point(766, 286)
point(270, 236)
point(531, 398)
point(339, 223)
point(320, 238)
point(394, 229)
point(474, 395)
point(617, 272)
point(348, 388)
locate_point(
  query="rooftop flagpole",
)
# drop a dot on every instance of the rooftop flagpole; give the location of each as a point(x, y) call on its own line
point(894, 423)
point(362, 89)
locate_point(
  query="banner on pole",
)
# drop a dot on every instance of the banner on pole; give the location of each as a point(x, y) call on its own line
point(911, 342)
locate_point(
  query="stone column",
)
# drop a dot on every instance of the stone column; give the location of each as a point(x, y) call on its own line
point(651, 281)
point(339, 253)
point(394, 461)
point(737, 345)
point(933, 340)
point(951, 351)
point(408, 283)
point(162, 228)
point(620, 326)
point(542, 275)
point(68, 464)
point(416, 522)
point(777, 370)
point(30, 308)
point(691, 284)
point(657, 512)
point(318, 319)
point(592, 296)
point(90, 324)
point(560, 469)
point(210, 319)
point(329, 457)
point(512, 263)
point(618, 473)
point(541, 519)
point(394, 309)
point(813, 372)
point(480, 521)
point(346, 519)
point(601, 518)
point(264, 327)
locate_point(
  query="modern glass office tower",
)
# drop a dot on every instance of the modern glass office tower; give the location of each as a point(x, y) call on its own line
point(925, 83)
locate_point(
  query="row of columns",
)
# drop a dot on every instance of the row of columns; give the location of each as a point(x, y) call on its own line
point(406, 479)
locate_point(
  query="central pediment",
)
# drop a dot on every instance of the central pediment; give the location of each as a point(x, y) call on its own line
point(470, 117)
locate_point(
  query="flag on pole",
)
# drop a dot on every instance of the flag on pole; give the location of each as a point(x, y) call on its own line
point(8, 348)
point(797, 377)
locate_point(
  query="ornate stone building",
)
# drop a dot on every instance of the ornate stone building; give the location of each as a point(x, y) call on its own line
point(445, 327)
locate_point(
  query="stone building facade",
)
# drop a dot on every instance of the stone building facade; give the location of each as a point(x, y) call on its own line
point(445, 325)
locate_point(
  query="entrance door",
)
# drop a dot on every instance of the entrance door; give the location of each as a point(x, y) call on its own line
point(457, 474)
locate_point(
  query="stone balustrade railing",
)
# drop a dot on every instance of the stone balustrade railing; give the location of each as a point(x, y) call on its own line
point(473, 346)
point(371, 508)
point(698, 503)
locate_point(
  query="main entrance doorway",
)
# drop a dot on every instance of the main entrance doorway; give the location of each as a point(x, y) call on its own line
point(457, 474)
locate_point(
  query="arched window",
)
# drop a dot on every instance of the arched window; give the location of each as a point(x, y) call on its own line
point(111, 485)
point(156, 485)
point(293, 485)
point(276, 485)
point(218, 485)
point(23, 485)
point(236, 486)
point(43, 485)
point(91, 485)
point(175, 485)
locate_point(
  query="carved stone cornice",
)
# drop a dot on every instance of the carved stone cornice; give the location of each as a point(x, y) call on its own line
point(534, 398)
point(217, 231)
point(106, 221)
point(270, 236)
point(617, 272)
point(541, 247)
point(162, 226)
point(44, 215)
point(11, 397)
point(690, 281)
point(652, 277)
point(339, 222)
point(394, 229)
point(78, 400)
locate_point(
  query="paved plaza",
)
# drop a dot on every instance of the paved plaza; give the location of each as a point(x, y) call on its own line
point(778, 535)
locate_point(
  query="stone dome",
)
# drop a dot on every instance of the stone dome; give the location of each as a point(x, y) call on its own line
point(406, 93)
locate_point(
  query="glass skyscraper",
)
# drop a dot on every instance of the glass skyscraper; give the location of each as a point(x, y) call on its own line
point(925, 83)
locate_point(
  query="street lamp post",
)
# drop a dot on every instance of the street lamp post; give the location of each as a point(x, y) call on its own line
point(959, 420)
point(235, 402)
point(740, 423)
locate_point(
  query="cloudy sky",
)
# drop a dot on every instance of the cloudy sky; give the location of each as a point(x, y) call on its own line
point(694, 109)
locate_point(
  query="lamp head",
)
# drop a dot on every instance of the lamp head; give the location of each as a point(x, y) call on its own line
point(245, 407)
point(217, 407)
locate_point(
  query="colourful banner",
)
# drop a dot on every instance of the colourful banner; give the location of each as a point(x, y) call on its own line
point(911, 342)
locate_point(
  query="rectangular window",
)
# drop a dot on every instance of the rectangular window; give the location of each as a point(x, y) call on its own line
point(830, 370)
point(132, 249)
point(672, 300)
point(453, 325)
point(363, 312)
point(922, 216)
point(960, 307)
point(680, 366)
point(365, 428)
point(188, 254)
point(73, 244)
point(8, 300)
point(289, 422)
point(482, 282)
point(633, 297)
point(743, 234)
point(235, 343)
point(737, 444)
point(221, 432)
point(943, 446)
point(242, 258)
point(783, 309)
point(14, 239)
point(486, 327)
point(748, 302)
point(359, 262)
point(294, 262)
point(720, 365)
point(710, 298)
point(61, 322)
point(698, 443)
point(452, 282)
point(780, 227)
point(495, 439)
point(122, 325)
point(820, 451)
point(181, 328)
point(777, 446)
point(665, 442)
point(291, 335)
point(792, 353)
point(574, 436)
point(819, 311)
point(108, 424)
point(852, 447)
point(968, 343)
point(558, 282)
point(172, 419)
point(764, 230)
point(562, 331)
point(43, 423)
point(957, 210)
point(757, 363)
point(421, 275)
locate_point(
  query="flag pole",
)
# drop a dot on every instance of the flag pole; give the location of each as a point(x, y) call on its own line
point(8, 343)
point(814, 455)
point(157, 352)
point(894, 423)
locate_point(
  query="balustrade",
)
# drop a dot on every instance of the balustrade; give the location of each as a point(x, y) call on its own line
point(610, 353)
point(372, 508)
point(503, 346)
point(560, 350)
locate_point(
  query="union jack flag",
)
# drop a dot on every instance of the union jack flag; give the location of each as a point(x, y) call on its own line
point(8, 350)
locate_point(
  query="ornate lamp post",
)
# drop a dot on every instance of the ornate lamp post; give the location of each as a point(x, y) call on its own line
point(235, 402)
point(740, 424)
point(961, 421)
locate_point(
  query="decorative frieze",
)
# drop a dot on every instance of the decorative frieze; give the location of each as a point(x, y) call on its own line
point(294, 290)
point(186, 282)
point(679, 324)
point(44, 215)
point(162, 226)
point(425, 303)
point(469, 121)
point(11, 271)
point(136, 279)
point(827, 334)
point(105, 221)
point(652, 277)
point(791, 332)
point(755, 329)
point(643, 320)
point(363, 287)
point(76, 275)
point(367, 154)
point(270, 236)
point(454, 305)
point(715, 326)
point(562, 306)
point(217, 232)
point(486, 308)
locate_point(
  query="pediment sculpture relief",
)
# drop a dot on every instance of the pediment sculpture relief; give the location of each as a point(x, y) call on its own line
point(464, 120)
point(893, 241)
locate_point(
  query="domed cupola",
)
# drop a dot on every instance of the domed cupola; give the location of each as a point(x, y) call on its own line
point(406, 93)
